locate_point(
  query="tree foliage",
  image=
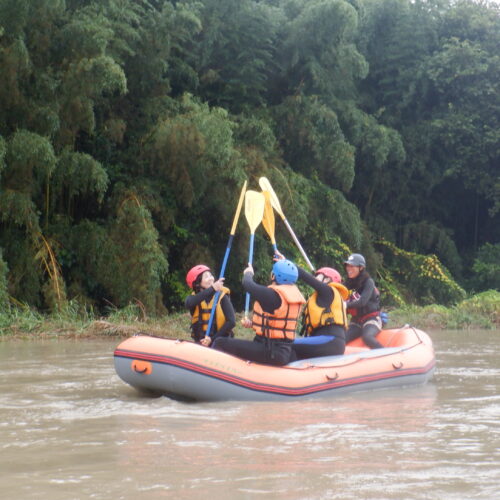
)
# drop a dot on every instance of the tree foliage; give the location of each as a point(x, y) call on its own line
point(434, 75)
point(418, 275)
point(127, 129)
point(487, 268)
point(4, 295)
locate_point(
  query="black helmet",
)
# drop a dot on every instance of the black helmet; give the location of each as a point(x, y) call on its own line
point(356, 259)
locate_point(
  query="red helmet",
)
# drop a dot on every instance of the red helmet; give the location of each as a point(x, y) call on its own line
point(194, 272)
point(331, 273)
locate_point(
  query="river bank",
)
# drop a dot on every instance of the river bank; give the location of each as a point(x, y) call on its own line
point(481, 311)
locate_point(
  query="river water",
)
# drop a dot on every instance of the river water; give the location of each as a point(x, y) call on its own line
point(71, 429)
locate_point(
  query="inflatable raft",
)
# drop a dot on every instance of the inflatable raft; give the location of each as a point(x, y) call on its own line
point(189, 371)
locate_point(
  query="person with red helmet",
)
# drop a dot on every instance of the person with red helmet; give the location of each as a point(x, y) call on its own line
point(276, 310)
point(201, 280)
point(363, 304)
point(324, 320)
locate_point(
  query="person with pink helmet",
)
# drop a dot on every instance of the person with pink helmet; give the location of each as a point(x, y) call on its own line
point(201, 280)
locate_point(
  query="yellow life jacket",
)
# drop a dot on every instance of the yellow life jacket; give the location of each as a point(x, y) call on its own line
point(282, 323)
point(203, 309)
point(316, 316)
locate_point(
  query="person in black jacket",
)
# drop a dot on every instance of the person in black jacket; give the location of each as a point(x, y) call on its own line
point(276, 310)
point(363, 304)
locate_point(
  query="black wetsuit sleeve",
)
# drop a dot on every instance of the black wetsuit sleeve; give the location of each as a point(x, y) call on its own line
point(325, 292)
point(365, 296)
point(268, 298)
point(193, 300)
point(230, 323)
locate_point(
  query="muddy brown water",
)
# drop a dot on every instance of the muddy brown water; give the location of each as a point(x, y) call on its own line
point(71, 429)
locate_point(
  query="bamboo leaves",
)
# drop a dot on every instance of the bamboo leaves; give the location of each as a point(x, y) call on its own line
point(78, 174)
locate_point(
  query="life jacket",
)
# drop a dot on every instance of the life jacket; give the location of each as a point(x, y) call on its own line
point(282, 323)
point(201, 314)
point(363, 319)
point(335, 314)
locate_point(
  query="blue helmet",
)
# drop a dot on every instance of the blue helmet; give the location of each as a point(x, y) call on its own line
point(285, 272)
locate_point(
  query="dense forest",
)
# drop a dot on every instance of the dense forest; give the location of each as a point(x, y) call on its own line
point(127, 129)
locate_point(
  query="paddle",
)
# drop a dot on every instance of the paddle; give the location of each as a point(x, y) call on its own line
point(268, 219)
point(226, 255)
point(254, 211)
point(266, 186)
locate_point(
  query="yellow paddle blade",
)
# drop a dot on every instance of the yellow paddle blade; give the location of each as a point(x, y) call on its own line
point(265, 185)
point(268, 219)
point(238, 208)
point(254, 209)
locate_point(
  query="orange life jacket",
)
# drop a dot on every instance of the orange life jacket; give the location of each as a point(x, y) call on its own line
point(282, 323)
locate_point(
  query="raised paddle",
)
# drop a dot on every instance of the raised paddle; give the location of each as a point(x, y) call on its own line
point(254, 211)
point(268, 219)
point(266, 186)
point(226, 255)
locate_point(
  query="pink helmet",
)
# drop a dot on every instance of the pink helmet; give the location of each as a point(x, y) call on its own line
point(331, 273)
point(194, 272)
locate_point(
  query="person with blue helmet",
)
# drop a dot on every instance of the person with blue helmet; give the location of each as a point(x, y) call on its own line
point(276, 311)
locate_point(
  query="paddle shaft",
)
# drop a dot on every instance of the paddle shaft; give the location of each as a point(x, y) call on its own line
point(297, 242)
point(216, 296)
point(226, 255)
point(254, 212)
point(250, 260)
point(268, 219)
point(266, 186)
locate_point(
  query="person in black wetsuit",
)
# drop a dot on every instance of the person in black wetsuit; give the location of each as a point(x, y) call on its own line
point(325, 317)
point(363, 304)
point(276, 310)
point(200, 303)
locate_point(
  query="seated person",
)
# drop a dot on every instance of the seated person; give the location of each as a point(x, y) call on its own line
point(200, 303)
point(363, 304)
point(275, 313)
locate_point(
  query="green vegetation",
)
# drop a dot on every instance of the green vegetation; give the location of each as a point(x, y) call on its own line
point(127, 129)
point(77, 323)
point(479, 311)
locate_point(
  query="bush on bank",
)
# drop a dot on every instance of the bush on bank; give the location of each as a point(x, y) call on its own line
point(478, 311)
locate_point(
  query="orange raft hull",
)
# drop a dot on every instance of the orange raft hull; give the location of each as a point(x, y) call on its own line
point(185, 370)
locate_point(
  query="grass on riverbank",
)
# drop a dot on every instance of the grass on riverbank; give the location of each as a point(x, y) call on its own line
point(482, 311)
point(72, 323)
